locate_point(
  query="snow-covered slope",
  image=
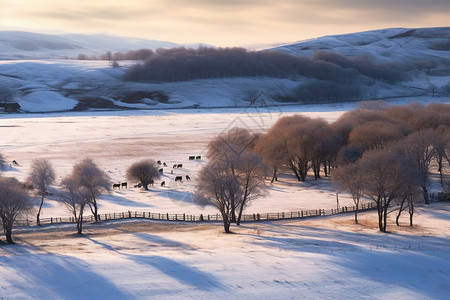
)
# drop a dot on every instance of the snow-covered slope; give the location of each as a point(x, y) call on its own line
point(392, 44)
point(28, 45)
point(43, 85)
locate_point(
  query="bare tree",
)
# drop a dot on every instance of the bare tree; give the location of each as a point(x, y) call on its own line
point(144, 171)
point(418, 146)
point(385, 176)
point(272, 149)
point(349, 178)
point(41, 176)
point(374, 135)
point(92, 181)
point(227, 149)
point(229, 145)
point(14, 201)
point(219, 187)
point(74, 199)
point(250, 172)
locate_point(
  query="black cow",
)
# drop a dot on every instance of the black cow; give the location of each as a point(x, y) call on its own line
point(191, 157)
point(179, 166)
point(139, 185)
point(187, 177)
point(124, 185)
point(175, 166)
point(161, 171)
point(158, 162)
point(178, 178)
point(15, 162)
point(164, 164)
point(198, 157)
point(116, 185)
point(163, 183)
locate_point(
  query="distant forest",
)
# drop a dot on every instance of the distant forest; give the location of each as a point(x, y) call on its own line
point(181, 64)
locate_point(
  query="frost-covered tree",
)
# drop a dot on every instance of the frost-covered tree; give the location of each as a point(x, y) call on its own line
point(41, 176)
point(233, 151)
point(385, 176)
point(14, 201)
point(217, 186)
point(348, 177)
point(75, 199)
point(144, 171)
point(93, 181)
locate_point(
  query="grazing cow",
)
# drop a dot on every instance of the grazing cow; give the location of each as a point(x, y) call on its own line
point(163, 183)
point(124, 185)
point(161, 171)
point(179, 166)
point(174, 166)
point(191, 157)
point(178, 178)
point(198, 157)
point(152, 182)
point(164, 164)
point(187, 177)
point(139, 185)
point(15, 162)
point(116, 185)
point(158, 162)
point(28, 186)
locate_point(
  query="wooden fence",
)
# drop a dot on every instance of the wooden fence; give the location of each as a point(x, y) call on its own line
point(201, 217)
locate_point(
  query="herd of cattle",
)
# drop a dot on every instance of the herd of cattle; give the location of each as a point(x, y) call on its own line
point(124, 185)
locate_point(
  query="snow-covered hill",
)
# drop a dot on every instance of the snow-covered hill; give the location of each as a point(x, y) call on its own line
point(43, 85)
point(394, 44)
point(28, 45)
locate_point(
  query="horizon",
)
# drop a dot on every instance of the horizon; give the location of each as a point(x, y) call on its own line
point(240, 23)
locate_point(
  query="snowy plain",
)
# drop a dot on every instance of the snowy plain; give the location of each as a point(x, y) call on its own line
point(326, 257)
point(320, 258)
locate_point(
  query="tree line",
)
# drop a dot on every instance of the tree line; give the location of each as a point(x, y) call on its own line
point(180, 64)
point(384, 153)
point(140, 54)
point(78, 191)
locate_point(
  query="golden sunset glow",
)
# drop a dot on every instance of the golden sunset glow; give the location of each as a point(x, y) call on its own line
point(221, 23)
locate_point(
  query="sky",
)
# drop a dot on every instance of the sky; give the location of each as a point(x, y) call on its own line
point(224, 23)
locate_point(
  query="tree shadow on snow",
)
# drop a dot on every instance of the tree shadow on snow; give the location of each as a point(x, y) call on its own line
point(419, 264)
point(184, 274)
point(56, 276)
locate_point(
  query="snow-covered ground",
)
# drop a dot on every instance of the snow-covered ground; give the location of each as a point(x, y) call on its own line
point(114, 140)
point(321, 258)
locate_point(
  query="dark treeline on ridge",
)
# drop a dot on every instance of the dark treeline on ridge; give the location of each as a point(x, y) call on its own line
point(180, 64)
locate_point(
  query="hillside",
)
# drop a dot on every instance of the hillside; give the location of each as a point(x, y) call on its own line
point(27, 45)
point(395, 44)
point(422, 55)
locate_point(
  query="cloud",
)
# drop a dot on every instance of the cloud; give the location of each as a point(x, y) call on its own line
point(218, 21)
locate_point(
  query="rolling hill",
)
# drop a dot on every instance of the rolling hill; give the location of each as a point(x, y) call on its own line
point(39, 71)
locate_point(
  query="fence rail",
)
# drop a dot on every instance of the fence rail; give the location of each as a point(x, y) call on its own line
point(201, 217)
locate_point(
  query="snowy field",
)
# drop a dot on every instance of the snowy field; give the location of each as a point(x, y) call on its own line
point(114, 140)
point(320, 258)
